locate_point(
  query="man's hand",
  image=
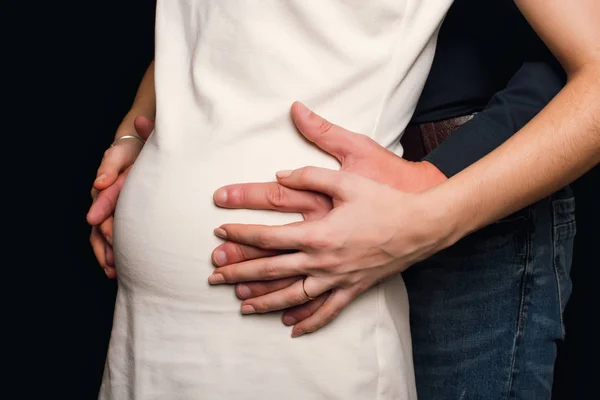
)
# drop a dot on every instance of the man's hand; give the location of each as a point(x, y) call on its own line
point(357, 154)
point(345, 253)
point(111, 175)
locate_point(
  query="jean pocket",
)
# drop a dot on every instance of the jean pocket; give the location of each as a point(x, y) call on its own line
point(506, 239)
point(564, 230)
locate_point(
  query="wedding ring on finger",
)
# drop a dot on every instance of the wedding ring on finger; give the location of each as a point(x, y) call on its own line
point(304, 290)
point(117, 140)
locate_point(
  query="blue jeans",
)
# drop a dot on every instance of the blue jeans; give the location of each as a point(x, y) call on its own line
point(486, 313)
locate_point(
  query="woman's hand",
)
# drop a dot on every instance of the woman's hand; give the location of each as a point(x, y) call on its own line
point(111, 175)
point(348, 251)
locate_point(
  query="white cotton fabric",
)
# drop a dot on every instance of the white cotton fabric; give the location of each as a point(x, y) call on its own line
point(227, 72)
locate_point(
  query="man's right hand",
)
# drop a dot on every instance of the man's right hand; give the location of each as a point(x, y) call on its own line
point(357, 154)
point(111, 175)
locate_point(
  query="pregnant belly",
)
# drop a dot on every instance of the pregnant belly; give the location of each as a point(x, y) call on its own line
point(192, 336)
point(165, 215)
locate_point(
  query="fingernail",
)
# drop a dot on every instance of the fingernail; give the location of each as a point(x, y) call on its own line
point(244, 291)
point(107, 272)
point(220, 257)
point(303, 110)
point(297, 333)
point(216, 279)
point(289, 320)
point(108, 239)
point(220, 197)
point(248, 310)
point(100, 178)
point(220, 232)
point(284, 174)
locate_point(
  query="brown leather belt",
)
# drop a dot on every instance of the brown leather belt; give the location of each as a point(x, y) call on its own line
point(419, 140)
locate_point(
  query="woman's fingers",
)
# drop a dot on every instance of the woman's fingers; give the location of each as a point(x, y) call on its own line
point(294, 295)
point(105, 201)
point(110, 270)
point(106, 229)
point(256, 289)
point(330, 309)
point(300, 313)
point(99, 247)
point(233, 253)
point(290, 296)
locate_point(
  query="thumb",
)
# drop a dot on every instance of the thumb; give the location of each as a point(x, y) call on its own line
point(335, 140)
point(143, 126)
point(116, 160)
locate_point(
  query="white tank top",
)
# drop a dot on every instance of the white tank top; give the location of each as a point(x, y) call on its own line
point(226, 74)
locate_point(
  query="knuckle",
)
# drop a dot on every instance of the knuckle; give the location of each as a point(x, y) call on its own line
point(276, 196)
point(347, 280)
point(264, 240)
point(230, 274)
point(329, 261)
point(304, 174)
point(310, 328)
point(320, 241)
point(260, 306)
point(324, 127)
point(270, 271)
point(359, 287)
point(332, 313)
point(105, 229)
point(296, 298)
point(340, 186)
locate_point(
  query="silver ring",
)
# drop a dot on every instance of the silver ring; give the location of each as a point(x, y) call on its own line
point(304, 290)
point(117, 140)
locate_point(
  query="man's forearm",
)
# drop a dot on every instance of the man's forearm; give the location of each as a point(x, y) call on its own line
point(560, 144)
point(555, 148)
point(144, 103)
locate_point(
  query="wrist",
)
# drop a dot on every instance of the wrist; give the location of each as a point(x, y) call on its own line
point(431, 228)
point(451, 211)
point(423, 176)
point(432, 173)
point(127, 126)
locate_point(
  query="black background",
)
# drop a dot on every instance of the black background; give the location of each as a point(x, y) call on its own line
point(95, 63)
